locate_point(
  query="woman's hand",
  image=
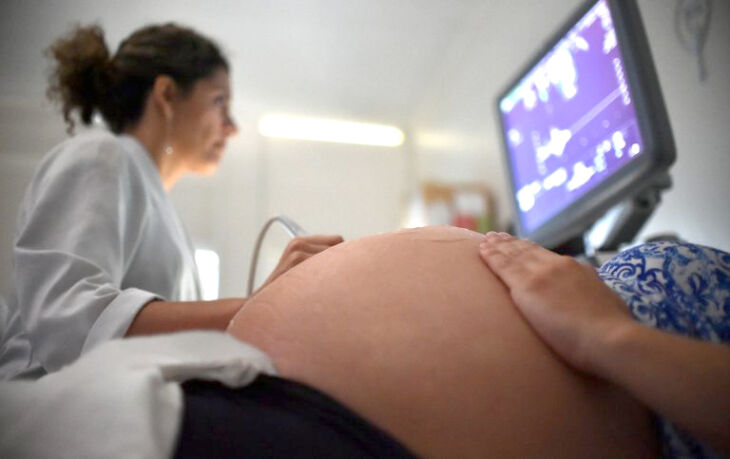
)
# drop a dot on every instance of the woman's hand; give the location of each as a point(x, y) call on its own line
point(564, 301)
point(588, 325)
point(299, 249)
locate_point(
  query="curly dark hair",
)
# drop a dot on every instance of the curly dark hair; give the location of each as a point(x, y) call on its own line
point(86, 78)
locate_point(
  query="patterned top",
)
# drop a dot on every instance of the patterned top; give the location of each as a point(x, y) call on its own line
point(680, 288)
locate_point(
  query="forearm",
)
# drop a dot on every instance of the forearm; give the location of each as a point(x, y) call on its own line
point(168, 316)
point(684, 380)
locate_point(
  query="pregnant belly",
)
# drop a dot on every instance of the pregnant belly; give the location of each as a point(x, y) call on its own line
point(413, 332)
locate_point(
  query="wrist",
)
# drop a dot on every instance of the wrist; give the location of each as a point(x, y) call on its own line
point(236, 306)
point(610, 345)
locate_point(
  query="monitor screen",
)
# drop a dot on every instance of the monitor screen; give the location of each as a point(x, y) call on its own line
point(571, 121)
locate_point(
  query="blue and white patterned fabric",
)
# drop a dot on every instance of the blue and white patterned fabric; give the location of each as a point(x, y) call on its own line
point(680, 288)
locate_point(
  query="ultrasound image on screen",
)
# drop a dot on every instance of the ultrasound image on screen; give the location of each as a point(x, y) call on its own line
point(570, 123)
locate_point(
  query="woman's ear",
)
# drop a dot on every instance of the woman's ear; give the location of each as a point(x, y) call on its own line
point(164, 92)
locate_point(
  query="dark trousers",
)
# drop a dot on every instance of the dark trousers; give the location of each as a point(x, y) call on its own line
point(275, 417)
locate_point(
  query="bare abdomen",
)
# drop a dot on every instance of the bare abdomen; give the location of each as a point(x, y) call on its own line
point(412, 331)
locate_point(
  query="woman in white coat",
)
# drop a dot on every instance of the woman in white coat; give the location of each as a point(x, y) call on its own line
point(99, 251)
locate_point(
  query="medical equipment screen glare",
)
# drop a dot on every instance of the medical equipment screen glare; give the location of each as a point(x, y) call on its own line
point(570, 123)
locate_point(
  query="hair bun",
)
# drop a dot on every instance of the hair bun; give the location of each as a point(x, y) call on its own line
point(84, 78)
point(80, 77)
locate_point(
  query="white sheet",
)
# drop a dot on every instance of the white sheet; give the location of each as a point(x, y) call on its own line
point(122, 399)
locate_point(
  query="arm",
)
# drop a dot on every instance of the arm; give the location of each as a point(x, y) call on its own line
point(171, 316)
point(166, 316)
point(587, 325)
point(685, 380)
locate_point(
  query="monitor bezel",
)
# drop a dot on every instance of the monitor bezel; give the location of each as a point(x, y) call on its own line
point(659, 150)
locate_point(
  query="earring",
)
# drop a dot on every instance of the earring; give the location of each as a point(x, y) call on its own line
point(168, 147)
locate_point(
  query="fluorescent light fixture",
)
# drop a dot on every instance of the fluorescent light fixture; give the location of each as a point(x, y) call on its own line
point(208, 263)
point(324, 130)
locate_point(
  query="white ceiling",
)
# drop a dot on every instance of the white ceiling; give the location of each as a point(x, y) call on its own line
point(371, 60)
point(368, 59)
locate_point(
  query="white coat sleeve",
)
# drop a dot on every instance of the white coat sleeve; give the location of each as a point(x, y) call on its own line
point(79, 226)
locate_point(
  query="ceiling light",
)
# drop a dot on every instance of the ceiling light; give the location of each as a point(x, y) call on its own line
point(324, 130)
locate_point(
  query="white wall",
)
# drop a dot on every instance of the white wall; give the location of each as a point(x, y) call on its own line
point(697, 207)
point(360, 190)
point(455, 126)
point(330, 189)
point(221, 212)
point(326, 188)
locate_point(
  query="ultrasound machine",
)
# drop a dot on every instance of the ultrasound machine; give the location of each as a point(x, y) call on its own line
point(586, 135)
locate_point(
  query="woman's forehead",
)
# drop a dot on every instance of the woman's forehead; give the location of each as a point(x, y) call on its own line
point(218, 81)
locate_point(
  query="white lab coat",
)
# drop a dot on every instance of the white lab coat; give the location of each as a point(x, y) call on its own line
point(97, 239)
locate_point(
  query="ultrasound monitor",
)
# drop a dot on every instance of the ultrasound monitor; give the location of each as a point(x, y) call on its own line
point(585, 129)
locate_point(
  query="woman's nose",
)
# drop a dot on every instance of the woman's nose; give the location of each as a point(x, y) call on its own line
point(229, 126)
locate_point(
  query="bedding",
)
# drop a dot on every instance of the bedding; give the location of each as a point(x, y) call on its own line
point(123, 399)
